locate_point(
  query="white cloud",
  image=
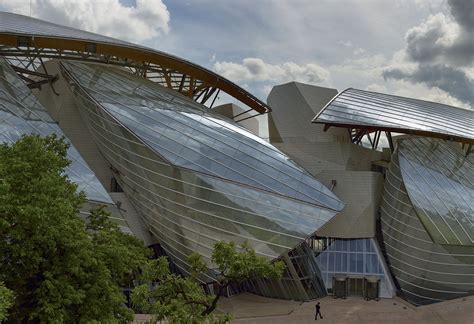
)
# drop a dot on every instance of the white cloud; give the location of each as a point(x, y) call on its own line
point(345, 43)
point(420, 91)
point(376, 87)
point(433, 39)
point(256, 69)
point(439, 54)
point(358, 72)
point(146, 20)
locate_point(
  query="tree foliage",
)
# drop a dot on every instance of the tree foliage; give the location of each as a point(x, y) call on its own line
point(6, 301)
point(123, 254)
point(183, 300)
point(60, 269)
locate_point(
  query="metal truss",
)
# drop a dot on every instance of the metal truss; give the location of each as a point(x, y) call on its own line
point(29, 64)
point(371, 135)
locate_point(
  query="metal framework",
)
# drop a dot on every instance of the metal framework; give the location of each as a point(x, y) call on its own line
point(29, 62)
point(372, 136)
point(27, 51)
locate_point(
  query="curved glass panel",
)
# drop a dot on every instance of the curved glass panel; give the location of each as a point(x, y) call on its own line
point(19, 24)
point(188, 210)
point(440, 183)
point(365, 108)
point(426, 271)
point(18, 32)
point(188, 135)
point(21, 113)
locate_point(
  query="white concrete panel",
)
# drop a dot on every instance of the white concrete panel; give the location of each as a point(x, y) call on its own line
point(361, 191)
point(327, 155)
point(294, 105)
point(229, 110)
point(135, 223)
point(63, 109)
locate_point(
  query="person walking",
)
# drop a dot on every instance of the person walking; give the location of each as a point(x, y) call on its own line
point(318, 311)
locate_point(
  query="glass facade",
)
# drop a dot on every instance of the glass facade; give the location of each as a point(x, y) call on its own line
point(21, 114)
point(188, 135)
point(189, 210)
point(301, 280)
point(365, 108)
point(354, 258)
point(440, 183)
point(310, 269)
point(427, 271)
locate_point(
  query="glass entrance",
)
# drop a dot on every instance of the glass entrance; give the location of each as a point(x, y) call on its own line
point(355, 286)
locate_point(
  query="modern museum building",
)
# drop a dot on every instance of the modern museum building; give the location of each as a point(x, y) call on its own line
point(358, 192)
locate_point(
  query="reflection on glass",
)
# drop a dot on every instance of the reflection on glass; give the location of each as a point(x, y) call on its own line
point(189, 135)
point(21, 114)
point(189, 209)
point(440, 183)
point(358, 107)
point(352, 257)
point(425, 218)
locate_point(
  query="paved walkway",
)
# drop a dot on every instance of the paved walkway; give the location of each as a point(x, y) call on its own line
point(248, 308)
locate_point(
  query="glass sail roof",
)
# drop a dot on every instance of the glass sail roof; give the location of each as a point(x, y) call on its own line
point(54, 40)
point(21, 113)
point(404, 115)
point(19, 24)
point(439, 180)
point(188, 135)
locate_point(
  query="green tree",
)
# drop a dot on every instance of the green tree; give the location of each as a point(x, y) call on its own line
point(123, 254)
point(6, 301)
point(182, 299)
point(60, 269)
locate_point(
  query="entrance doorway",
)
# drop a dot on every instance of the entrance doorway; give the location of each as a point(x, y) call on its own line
point(356, 286)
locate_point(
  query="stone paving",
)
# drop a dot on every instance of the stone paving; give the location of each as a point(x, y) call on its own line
point(247, 308)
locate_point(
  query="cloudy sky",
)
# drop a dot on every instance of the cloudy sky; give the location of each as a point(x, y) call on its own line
point(418, 48)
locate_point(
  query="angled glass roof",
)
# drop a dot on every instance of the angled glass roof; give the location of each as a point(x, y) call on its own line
point(19, 24)
point(21, 113)
point(358, 108)
point(44, 36)
point(439, 180)
point(188, 135)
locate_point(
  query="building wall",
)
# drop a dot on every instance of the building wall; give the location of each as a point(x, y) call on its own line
point(426, 272)
point(134, 221)
point(294, 105)
point(328, 155)
point(230, 110)
point(361, 191)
